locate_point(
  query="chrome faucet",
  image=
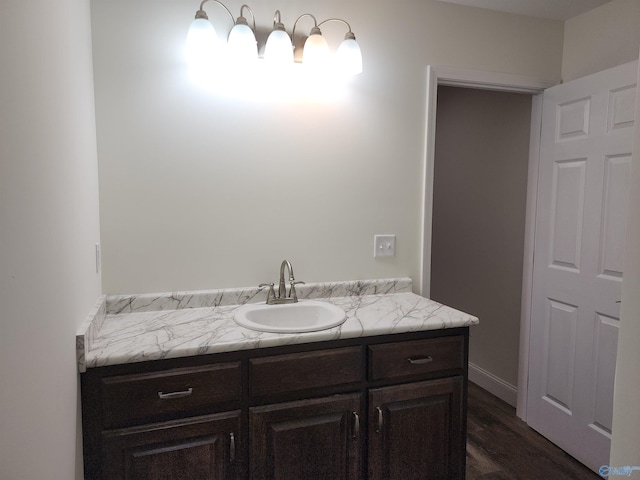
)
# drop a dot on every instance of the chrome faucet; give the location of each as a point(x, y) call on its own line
point(282, 289)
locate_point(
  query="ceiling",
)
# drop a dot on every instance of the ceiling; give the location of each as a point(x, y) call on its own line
point(555, 9)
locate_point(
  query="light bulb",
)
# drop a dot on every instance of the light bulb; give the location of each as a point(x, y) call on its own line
point(279, 48)
point(202, 42)
point(242, 44)
point(349, 56)
point(316, 50)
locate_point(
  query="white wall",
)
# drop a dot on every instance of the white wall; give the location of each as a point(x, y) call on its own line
point(48, 228)
point(625, 439)
point(203, 190)
point(602, 38)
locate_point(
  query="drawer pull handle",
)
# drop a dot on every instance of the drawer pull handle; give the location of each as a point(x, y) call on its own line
point(420, 360)
point(232, 448)
point(356, 425)
point(169, 396)
point(379, 425)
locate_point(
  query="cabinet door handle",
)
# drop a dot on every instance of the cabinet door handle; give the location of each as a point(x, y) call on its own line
point(356, 425)
point(169, 396)
point(379, 425)
point(232, 448)
point(420, 360)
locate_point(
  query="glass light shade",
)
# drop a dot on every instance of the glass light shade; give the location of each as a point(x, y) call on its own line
point(242, 44)
point(316, 51)
point(349, 57)
point(279, 48)
point(202, 42)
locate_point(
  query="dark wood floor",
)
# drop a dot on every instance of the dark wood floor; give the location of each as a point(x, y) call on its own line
point(500, 446)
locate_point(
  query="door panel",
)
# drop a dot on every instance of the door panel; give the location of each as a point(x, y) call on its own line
point(614, 215)
point(606, 351)
point(567, 213)
point(560, 352)
point(583, 190)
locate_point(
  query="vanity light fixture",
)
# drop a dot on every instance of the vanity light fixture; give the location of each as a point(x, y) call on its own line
point(315, 52)
point(278, 48)
point(203, 44)
point(202, 41)
point(242, 41)
point(348, 56)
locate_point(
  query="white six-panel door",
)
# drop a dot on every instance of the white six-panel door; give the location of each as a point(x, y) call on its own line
point(583, 187)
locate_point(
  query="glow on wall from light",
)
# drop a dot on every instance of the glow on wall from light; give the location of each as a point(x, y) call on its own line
point(259, 80)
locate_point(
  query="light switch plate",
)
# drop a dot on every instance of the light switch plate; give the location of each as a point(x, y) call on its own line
point(384, 245)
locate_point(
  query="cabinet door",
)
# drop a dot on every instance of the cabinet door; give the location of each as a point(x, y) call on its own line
point(201, 448)
point(416, 431)
point(316, 439)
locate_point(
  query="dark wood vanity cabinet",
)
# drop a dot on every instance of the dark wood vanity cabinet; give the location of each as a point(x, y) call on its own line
point(416, 431)
point(177, 422)
point(383, 407)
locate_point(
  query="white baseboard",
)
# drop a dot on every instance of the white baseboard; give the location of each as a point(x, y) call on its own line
point(495, 385)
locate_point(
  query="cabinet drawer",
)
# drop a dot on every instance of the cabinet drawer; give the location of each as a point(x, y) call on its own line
point(302, 371)
point(131, 398)
point(408, 359)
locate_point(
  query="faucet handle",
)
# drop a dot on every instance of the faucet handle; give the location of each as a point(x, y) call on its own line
point(271, 294)
point(292, 291)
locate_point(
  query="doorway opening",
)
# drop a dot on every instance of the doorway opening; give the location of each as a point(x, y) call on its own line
point(439, 76)
point(478, 224)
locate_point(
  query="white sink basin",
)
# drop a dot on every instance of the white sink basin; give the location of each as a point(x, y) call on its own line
point(304, 316)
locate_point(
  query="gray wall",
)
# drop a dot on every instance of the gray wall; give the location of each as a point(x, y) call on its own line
point(49, 226)
point(601, 38)
point(480, 184)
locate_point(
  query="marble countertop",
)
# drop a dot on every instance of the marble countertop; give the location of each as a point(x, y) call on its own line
point(138, 328)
